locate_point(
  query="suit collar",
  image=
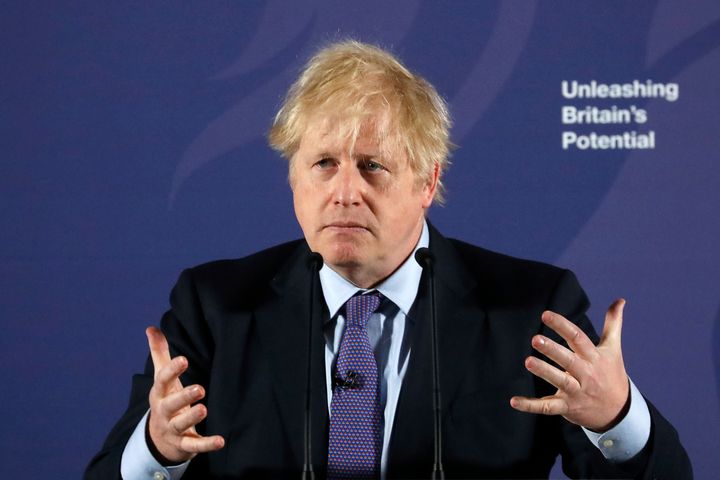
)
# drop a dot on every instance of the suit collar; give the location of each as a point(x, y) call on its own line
point(293, 275)
point(450, 269)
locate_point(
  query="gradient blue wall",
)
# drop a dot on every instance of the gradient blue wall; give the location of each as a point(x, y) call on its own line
point(132, 140)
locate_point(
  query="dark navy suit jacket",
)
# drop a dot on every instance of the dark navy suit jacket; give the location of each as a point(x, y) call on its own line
point(242, 325)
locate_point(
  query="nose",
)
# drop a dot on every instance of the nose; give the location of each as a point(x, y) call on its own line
point(348, 185)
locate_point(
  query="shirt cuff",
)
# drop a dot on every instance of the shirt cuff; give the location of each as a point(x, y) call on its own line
point(627, 438)
point(138, 462)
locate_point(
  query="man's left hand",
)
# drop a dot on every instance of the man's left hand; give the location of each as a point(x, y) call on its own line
point(593, 390)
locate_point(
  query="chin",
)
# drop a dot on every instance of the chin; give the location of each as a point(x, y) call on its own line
point(342, 255)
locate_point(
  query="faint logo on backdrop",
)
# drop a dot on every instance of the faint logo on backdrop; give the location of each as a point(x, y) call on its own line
point(471, 56)
point(300, 29)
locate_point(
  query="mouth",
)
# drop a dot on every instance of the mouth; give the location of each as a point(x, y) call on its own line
point(345, 227)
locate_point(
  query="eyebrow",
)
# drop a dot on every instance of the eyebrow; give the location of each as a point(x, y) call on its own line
point(323, 154)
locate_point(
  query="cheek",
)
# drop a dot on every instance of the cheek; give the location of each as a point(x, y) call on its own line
point(405, 199)
point(307, 202)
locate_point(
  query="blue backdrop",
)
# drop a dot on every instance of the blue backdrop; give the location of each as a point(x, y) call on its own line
point(132, 139)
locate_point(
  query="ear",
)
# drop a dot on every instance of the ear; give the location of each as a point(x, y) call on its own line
point(430, 187)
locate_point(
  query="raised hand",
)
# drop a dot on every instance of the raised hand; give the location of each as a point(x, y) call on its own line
point(593, 389)
point(173, 416)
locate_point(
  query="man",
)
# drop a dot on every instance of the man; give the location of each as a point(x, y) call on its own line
point(367, 142)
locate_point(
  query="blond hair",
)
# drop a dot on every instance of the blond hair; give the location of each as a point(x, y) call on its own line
point(356, 84)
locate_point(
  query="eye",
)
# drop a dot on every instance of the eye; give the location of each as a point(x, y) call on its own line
point(372, 166)
point(324, 163)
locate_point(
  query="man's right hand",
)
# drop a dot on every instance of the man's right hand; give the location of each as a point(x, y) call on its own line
point(173, 416)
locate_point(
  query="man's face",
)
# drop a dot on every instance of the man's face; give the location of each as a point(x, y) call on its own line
point(363, 212)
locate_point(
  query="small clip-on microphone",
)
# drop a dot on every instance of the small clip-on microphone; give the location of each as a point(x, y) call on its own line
point(350, 382)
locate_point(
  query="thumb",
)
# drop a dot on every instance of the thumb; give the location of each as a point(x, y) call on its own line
point(613, 323)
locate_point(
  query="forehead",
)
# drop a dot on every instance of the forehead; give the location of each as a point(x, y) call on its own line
point(335, 133)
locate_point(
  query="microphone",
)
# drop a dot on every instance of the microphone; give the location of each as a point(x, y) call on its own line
point(426, 260)
point(314, 264)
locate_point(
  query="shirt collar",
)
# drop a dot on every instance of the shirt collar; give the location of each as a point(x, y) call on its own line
point(401, 287)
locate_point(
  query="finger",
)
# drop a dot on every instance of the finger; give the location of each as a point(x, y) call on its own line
point(571, 333)
point(167, 379)
point(612, 328)
point(564, 357)
point(188, 419)
point(201, 444)
point(543, 406)
point(559, 379)
point(175, 402)
point(159, 350)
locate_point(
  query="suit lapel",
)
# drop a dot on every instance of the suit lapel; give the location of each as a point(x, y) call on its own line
point(282, 327)
point(460, 322)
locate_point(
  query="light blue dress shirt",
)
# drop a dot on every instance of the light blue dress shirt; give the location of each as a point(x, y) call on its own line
point(389, 329)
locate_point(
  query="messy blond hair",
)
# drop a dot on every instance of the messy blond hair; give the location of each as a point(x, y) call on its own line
point(355, 84)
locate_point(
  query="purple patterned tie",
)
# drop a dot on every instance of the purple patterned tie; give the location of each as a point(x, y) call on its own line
point(356, 417)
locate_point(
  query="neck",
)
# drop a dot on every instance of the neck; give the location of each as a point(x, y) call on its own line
point(361, 277)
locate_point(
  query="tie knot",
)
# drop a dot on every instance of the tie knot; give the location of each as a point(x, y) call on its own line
point(359, 308)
